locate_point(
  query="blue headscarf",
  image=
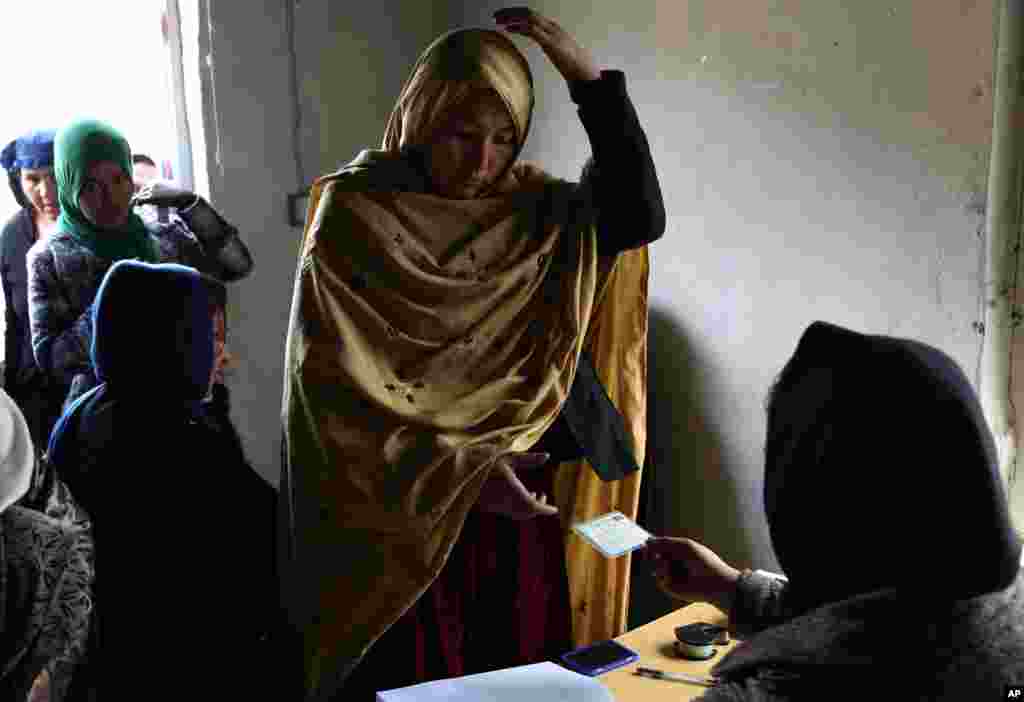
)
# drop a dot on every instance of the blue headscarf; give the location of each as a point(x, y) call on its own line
point(158, 356)
point(31, 150)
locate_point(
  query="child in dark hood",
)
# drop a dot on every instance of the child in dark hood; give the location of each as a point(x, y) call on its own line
point(889, 517)
point(184, 526)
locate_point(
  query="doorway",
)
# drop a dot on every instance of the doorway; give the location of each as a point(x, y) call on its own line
point(114, 61)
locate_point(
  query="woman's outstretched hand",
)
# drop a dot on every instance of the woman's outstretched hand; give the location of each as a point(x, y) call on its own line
point(505, 494)
point(572, 60)
point(687, 570)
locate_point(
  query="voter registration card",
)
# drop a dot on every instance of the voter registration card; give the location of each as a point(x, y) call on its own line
point(613, 534)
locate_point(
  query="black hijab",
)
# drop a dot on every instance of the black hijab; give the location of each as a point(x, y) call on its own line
point(881, 473)
point(152, 350)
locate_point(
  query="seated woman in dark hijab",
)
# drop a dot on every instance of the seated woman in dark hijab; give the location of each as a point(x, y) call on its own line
point(889, 516)
point(183, 525)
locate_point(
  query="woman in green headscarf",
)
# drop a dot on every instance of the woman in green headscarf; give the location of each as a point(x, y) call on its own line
point(98, 226)
point(455, 314)
point(93, 165)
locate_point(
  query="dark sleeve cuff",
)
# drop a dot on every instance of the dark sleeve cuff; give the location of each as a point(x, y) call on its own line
point(758, 603)
point(611, 85)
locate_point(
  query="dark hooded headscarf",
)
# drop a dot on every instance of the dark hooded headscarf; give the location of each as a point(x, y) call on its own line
point(881, 470)
point(153, 360)
point(175, 328)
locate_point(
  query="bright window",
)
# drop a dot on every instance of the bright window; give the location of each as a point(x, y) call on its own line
point(106, 59)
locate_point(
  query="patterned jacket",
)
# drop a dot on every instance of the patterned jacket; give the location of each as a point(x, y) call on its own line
point(47, 571)
point(64, 277)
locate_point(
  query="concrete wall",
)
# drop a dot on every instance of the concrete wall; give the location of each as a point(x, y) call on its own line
point(820, 160)
point(350, 61)
point(251, 169)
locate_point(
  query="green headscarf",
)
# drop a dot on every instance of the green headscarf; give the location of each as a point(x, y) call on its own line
point(77, 147)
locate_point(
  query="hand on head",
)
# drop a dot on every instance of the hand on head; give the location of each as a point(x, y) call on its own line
point(471, 151)
point(689, 571)
point(572, 60)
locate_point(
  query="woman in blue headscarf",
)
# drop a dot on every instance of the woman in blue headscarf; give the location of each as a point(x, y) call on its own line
point(28, 161)
point(96, 228)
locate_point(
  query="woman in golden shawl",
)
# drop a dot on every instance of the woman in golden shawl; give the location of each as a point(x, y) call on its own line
point(448, 307)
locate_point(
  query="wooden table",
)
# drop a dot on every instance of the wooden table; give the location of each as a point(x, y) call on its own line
point(654, 643)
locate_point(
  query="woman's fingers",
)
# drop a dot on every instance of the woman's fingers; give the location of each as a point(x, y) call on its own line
point(543, 509)
point(524, 16)
point(517, 12)
point(526, 30)
point(504, 493)
point(532, 502)
point(569, 58)
point(525, 460)
point(668, 547)
point(523, 20)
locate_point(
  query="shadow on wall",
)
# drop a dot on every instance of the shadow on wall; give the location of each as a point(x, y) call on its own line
point(687, 490)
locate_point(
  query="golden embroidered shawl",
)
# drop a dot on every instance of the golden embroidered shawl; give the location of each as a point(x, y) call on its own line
point(428, 337)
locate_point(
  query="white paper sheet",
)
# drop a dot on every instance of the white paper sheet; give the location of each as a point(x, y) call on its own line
point(540, 682)
point(613, 534)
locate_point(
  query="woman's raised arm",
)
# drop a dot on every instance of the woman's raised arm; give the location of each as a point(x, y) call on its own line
point(620, 179)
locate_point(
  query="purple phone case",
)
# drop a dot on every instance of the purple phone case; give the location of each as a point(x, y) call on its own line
point(625, 657)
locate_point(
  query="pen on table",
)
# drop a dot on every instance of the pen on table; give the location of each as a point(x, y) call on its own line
point(677, 677)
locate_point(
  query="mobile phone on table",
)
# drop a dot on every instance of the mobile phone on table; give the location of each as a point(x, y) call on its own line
point(599, 658)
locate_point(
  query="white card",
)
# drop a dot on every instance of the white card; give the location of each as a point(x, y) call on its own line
point(538, 682)
point(613, 534)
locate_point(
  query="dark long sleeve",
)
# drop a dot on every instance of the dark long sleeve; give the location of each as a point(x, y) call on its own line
point(11, 336)
point(620, 184)
point(19, 363)
point(620, 179)
point(202, 239)
point(10, 340)
point(228, 256)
